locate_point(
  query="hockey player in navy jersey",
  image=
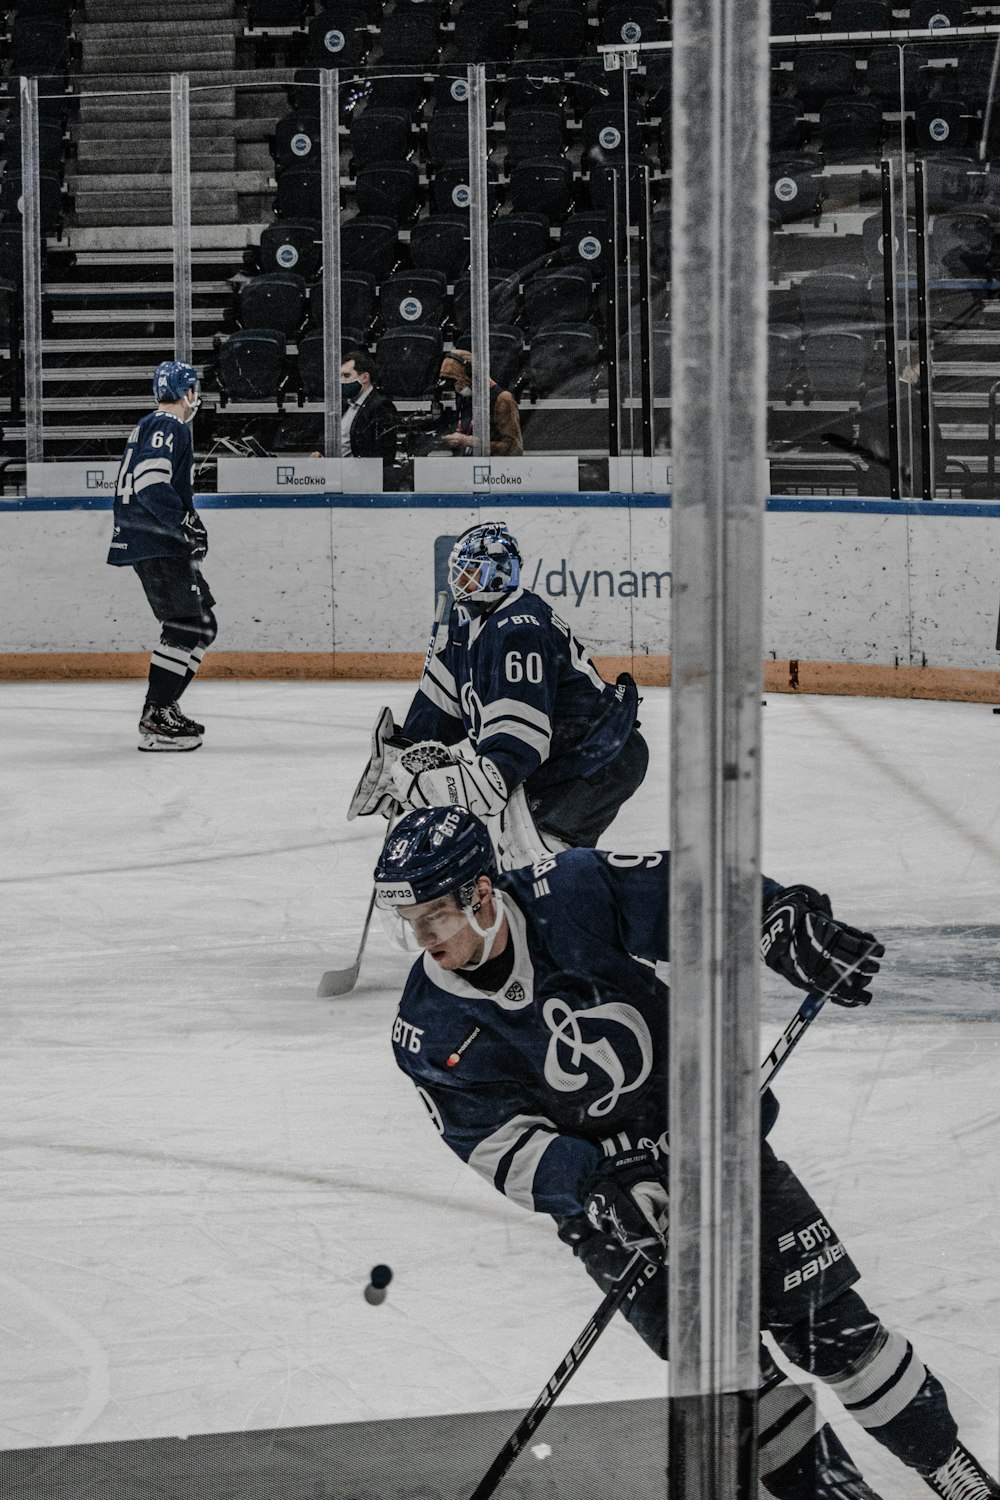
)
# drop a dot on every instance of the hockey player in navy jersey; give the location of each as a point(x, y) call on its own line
point(535, 1030)
point(554, 749)
point(158, 532)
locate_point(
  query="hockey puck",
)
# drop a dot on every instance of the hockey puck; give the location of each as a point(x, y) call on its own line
point(381, 1276)
point(374, 1295)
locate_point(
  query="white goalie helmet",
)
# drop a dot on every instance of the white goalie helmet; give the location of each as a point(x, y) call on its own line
point(484, 566)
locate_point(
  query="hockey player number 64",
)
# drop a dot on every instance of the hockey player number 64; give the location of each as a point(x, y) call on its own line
point(529, 669)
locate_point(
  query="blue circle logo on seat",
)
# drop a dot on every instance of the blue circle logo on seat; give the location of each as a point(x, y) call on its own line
point(461, 195)
point(334, 41)
point(287, 256)
point(786, 189)
point(410, 309)
point(610, 138)
point(459, 90)
point(631, 31)
point(938, 21)
point(589, 247)
point(938, 129)
point(301, 144)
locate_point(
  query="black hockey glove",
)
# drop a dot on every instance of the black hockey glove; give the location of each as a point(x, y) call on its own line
point(628, 1196)
point(195, 535)
point(803, 941)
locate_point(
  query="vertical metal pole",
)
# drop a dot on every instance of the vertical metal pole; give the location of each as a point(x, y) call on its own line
point(889, 311)
point(31, 251)
point(329, 137)
point(479, 219)
point(612, 289)
point(180, 162)
point(923, 338)
point(720, 115)
point(645, 319)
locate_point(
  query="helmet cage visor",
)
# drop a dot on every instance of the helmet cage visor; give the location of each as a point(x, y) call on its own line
point(429, 924)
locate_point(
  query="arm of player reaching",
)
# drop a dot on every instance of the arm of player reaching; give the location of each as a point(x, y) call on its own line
point(522, 1153)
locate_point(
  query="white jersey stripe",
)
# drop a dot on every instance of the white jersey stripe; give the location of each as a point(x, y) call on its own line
point(439, 697)
point(507, 708)
point(516, 730)
point(488, 1155)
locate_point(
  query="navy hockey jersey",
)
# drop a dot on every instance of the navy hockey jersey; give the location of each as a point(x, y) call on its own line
point(524, 691)
point(568, 1061)
point(155, 490)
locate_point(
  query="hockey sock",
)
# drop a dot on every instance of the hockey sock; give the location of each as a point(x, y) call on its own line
point(799, 1456)
point(168, 672)
point(878, 1377)
point(194, 662)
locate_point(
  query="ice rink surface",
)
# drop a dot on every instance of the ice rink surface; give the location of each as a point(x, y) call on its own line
point(201, 1161)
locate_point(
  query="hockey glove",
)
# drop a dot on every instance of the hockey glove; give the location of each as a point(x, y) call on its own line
point(373, 793)
point(802, 940)
point(628, 1196)
point(430, 775)
point(195, 535)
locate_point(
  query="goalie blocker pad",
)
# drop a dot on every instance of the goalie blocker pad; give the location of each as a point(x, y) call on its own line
point(373, 792)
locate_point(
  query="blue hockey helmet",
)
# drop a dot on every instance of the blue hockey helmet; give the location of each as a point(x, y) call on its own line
point(484, 566)
point(172, 379)
point(431, 853)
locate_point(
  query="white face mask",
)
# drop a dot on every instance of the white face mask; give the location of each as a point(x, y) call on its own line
point(191, 406)
point(463, 390)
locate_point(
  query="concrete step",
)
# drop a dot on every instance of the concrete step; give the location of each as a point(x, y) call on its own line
point(98, 216)
point(114, 58)
point(104, 131)
point(123, 34)
point(103, 158)
point(118, 237)
point(150, 111)
point(111, 11)
point(130, 182)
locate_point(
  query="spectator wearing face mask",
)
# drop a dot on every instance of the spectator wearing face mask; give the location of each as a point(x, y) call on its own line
point(369, 422)
point(505, 419)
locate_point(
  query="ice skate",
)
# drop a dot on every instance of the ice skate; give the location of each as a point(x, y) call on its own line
point(164, 727)
point(961, 1477)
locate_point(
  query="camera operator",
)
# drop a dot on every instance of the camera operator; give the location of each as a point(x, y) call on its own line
point(505, 419)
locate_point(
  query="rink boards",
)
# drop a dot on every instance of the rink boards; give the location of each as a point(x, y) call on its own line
point(881, 597)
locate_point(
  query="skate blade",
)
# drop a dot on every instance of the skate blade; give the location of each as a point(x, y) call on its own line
point(161, 742)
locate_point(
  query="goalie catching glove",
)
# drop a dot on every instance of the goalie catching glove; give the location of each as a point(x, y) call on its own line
point(428, 774)
point(628, 1196)
point(373, 793)
point(803, 941)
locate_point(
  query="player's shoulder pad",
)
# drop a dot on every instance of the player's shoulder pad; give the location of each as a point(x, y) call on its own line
point(525, 611)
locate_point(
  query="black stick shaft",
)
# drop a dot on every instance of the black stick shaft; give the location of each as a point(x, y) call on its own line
point(636, 1274)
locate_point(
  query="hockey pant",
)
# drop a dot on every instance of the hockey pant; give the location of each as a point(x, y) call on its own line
point(182, 601)
point(579, 811)
point(822, 1326)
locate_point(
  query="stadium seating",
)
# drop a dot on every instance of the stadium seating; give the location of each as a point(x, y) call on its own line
point(504, 298)
point(369, 242)
point(518, 240)
point(291, 245)
point(381, 133)
point(506, 351)
point(441, 240)
point(413, 299)
point(542, 184)
point(251, 365)
point(276, 300)
point(358, 303)
point(389, 188)
point(409, 360)
point(565, 358)
point(560, 294)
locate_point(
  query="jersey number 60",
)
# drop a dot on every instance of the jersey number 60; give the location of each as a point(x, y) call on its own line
point(529, 669)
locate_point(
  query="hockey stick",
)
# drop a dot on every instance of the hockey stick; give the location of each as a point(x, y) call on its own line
point(336, 982)
point(636, 1274)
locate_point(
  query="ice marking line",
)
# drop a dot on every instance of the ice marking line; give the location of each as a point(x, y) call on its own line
point(188, 859)
point(246, 1169)
point(874, 757)
point(98, 1374)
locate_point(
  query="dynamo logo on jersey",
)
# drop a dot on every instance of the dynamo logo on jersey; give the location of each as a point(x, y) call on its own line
point(564, 1024)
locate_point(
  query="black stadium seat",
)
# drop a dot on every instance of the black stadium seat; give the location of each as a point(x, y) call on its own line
point(275, 12)
point(506, 351)
point(296, 141)
point(582, 238)
point(820, 73)
point(961, 245)
point(861, 15)
point(851, 128)
point(835, 297)
point(441, 240)
point(606, 133)
point(38, 44)
point(410, 38)
point(292, 245)
point(300, 193)
point(369, 242)
point(556, 29)
point(339, 37)
point(542, 184)
point(276, 300)
point(944, 124)
point(834, 365)
point(936, 13)
point(413, 299)
point(518, 240)
point(358, 302)
point(450, 189)
point(50, 142)
point(390, 188)
point(530, 132)
point(638, 22)
point(796, 188)
point(409, 360)
point(448, 135)
point(49, 198)
point(381, 134)
point(784, 356)
point(564, 358)
point(560, 294)
point(504, 293)
point(251, 365)
point(311, 351)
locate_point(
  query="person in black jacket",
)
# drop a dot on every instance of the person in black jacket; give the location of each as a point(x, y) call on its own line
point(369, 422)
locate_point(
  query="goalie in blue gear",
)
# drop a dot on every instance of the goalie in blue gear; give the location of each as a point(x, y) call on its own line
point(159, 533)
point(511, 718)
point(535, 1029)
